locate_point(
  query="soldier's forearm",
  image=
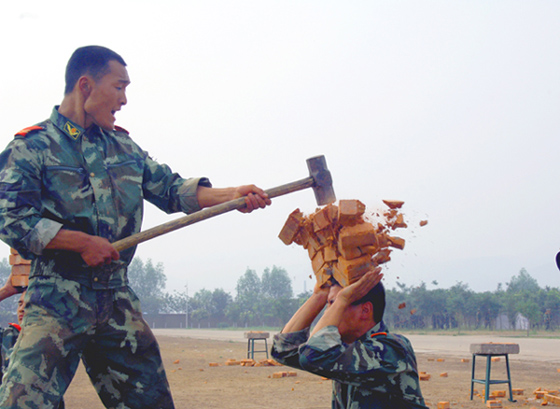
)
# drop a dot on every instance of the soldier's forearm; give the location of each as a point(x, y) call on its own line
point(306, 314)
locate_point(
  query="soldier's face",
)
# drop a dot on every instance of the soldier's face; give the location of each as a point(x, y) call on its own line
point(107, 96)
point(19, 310)
point(348, 326)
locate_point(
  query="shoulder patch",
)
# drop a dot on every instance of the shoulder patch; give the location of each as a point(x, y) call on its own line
point(119, 129)
point(28, 130)
point(16, 326)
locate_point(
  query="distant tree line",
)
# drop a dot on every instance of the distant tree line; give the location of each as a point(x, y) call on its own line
point(268, 300)
point(460, 307)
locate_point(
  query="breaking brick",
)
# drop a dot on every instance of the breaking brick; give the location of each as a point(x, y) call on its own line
point(443, 374)
point(383, 256)
point(350, 253)
point(341, 243)
point(321, 219)
point(350, 212)
point(176, 361)
point(402, 305)
point(396, 242)
point(323, 277)
point(318, 262)
point(356, 236)
point(325, 236)
point(292, 373)
point(213, 364)
point(412, 312)
point(354, 269)
point(291, 227)
point(494, 403)
point(423, 223)
point(441, 359)
point(517, 391)
point(495, 359)
point(330, 254)
point(425, 377)
point(340, 278)
point(277, 375)
point(394, 204)
point(399, 222)
point(443, 405)
point(465, 360)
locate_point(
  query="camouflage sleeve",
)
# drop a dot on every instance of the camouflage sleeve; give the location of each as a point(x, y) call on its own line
point(285, 347)
point(21, 223)
point(169, 191)
point(367, 361)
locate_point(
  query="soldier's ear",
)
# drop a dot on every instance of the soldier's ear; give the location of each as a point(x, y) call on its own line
point(367, 310)
point(84, 85)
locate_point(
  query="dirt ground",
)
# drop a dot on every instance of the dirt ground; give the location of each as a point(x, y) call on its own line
point(197, 385)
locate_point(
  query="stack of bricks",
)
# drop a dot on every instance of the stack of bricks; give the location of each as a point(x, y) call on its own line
point(20, 269)
point(341, 243)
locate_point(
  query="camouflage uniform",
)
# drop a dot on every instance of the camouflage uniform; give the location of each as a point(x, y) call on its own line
point(58, 175)
point(8, 338)
point(376, 371)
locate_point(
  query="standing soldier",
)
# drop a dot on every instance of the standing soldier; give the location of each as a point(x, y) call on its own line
point(69, 187)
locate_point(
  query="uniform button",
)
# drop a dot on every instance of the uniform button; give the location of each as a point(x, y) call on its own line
point(92, 174)
point(95, 279)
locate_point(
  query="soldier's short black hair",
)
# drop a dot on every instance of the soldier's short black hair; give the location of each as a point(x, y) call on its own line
point(92, 60)
point(377, 298)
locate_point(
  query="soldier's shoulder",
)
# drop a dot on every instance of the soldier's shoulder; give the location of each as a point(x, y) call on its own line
point(120, 129)
point(30, 130)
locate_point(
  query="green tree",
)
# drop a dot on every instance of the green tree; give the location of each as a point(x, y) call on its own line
point(248, 299)
point(277, 303)
point(460, 304)
point(201, 308)
point(221, 301)
point(148, 282)
point(520, 298)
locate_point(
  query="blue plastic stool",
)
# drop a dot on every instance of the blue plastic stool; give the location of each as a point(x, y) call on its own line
point(489, 351)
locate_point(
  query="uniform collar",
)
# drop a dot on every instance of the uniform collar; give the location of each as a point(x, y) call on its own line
point(379, 328)
point(68, 127)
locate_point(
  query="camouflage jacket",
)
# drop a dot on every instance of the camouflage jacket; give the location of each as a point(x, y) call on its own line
point(8, 338)
point(57, 175)
point(376, 371)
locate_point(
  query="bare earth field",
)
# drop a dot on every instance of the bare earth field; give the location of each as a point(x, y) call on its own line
point(187, 354)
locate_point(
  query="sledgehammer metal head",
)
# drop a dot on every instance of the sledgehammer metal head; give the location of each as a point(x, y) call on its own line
point(319, 179)
point(322, 187)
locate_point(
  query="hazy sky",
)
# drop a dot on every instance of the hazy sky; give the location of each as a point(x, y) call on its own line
point(451, 106)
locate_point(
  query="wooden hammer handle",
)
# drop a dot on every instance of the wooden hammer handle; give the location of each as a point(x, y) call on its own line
point(207, 213)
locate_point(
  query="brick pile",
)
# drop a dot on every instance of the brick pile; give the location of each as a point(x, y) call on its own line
point(20, 269)
point(341, 242)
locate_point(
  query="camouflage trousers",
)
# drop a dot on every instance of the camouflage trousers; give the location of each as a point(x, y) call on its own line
point(65, 321)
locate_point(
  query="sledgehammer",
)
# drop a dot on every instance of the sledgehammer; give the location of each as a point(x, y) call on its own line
point(320, 180)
